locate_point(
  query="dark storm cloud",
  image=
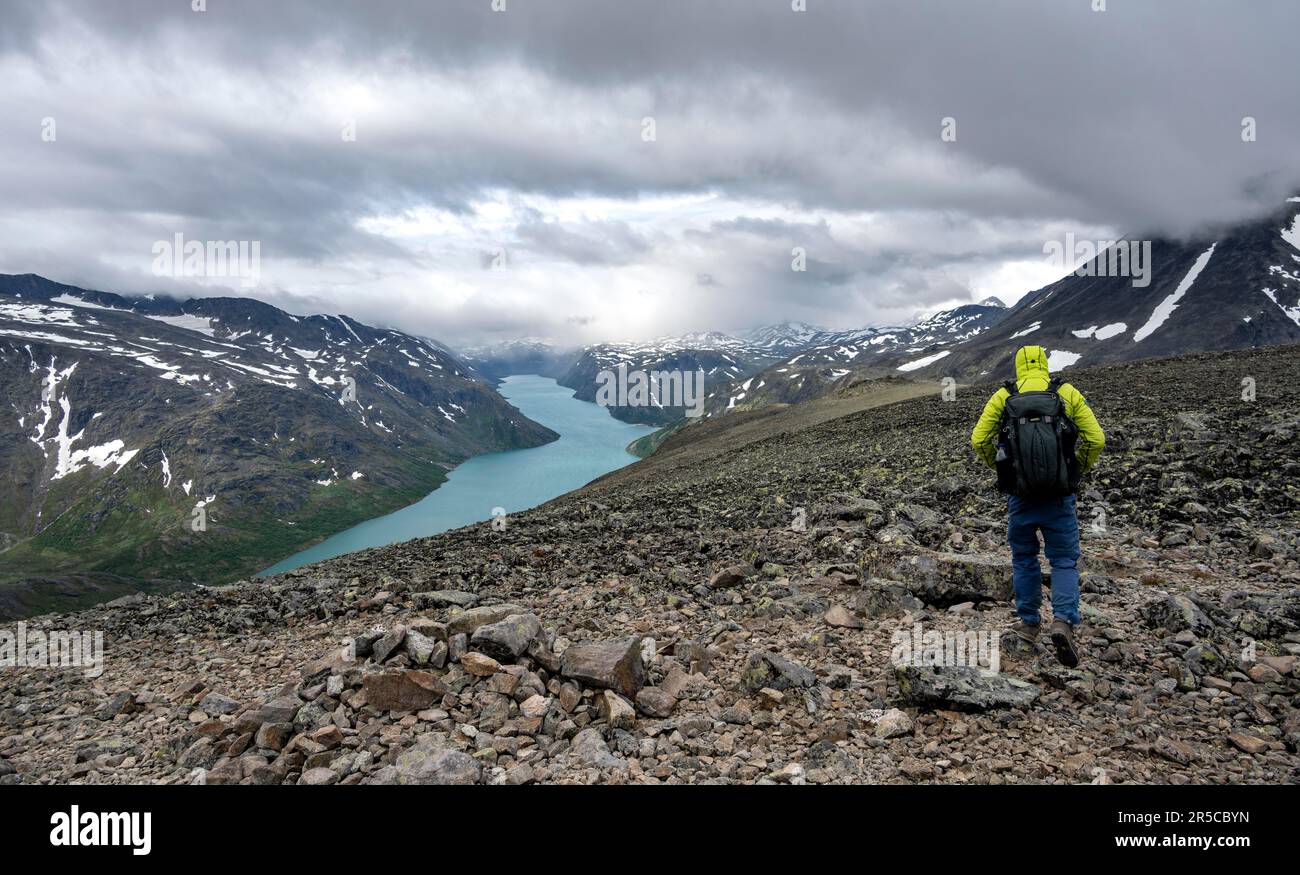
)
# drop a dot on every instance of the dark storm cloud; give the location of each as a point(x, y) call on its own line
point(226, 124)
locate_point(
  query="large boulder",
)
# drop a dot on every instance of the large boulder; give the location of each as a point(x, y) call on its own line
point(505, 640)
point(431, 761)
point(614, 665)
point(402, 690)
point(1177, 612)
point(962, 689)
point(466, 622)
point(590, 749)
point(765, 670)
point(945, 579)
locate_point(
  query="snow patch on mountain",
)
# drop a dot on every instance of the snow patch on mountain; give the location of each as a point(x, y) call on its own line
point(1291, 234)
point(1059, 359)
point(1104, 332)
point(922, 362)
point(1292, 313)
point(201, 324)
point(1166, 307)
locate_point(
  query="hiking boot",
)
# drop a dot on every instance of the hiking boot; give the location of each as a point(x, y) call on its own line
point(1026, 632)
point(1063, 640)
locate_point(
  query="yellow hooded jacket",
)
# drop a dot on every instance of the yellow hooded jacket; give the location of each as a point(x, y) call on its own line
point(1032, 376)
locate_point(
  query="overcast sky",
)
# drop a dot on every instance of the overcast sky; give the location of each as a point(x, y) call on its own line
point(503, 181)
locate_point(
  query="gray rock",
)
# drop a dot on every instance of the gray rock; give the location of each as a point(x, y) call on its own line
point(945, 579)
point(505, 640)
point(317, 777)
point(279, 710)
point(883, 598)
point(384, 776)
point(764, 669)
point(418, 648)
point(590, 749)
point(430, 761)
point(388, 644)
point(1177, 612)
point(893, 724)
point(215, 703)
point(962, 688)
point(466, 622)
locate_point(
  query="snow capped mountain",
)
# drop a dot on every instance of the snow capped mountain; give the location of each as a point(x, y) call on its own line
point(721, 357)
point(1235, 289)
point(786, 336)
point(830, 357)
point(125, 416)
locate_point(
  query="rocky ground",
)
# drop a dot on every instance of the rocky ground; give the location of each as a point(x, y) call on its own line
point(676, 623)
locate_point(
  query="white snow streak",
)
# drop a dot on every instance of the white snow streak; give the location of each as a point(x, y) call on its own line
point(1166, 307)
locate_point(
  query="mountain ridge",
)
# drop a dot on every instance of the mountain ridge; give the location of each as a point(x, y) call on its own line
point(130, 421)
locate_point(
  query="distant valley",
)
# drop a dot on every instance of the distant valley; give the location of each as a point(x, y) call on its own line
point(130, 421)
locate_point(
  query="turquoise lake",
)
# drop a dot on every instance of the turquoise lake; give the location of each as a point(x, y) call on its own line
point(591, 443)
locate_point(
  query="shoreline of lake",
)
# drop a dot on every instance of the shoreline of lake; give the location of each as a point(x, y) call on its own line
point(591, 444)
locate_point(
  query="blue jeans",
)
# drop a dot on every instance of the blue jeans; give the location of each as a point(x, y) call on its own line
point(1055, 518)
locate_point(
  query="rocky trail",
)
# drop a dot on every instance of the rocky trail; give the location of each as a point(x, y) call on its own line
point(733, 616)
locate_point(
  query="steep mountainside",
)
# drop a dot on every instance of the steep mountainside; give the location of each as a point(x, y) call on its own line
point(730, 612)
point(129, 423)
point(1236, 289)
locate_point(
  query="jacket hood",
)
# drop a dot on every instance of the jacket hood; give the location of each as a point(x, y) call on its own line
point(1031, 361)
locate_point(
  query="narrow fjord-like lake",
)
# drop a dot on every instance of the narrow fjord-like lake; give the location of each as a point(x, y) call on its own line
point(591, 443)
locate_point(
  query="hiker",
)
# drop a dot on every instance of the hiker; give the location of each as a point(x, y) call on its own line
point(1041, 437)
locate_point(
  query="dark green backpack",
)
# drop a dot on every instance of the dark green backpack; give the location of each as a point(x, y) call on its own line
point(1036, 444)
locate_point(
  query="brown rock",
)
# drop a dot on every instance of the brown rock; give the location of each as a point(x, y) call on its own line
point(319, 777)
point(479, 665)
point(614, 664)
point(535, 706)
point(654, 702)
point(1281, 664)
point(1173, 750)
point(732, 575)
point(841, 618)
point(273, 736)
point(616, 710)
point(1247, 743)
point(402, 690)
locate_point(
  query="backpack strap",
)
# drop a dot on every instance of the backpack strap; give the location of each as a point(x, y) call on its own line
point(1011, 387)
point(1054, 385)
